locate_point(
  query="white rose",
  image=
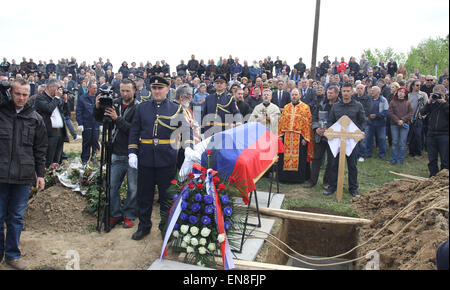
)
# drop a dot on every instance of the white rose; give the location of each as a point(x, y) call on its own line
point(194, 241)
point(184, 229)
point(189, 249)
point(194, 231)
point(205, 232)
point(202, 241)
point(212, 247)
point(176, 234)
point(221, 238)
point(202, 250)
point(187, 239)
point(199, 263)
point(183, 244)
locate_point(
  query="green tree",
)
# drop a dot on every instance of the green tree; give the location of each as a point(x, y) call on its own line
point(375, 55)
point(430, 56)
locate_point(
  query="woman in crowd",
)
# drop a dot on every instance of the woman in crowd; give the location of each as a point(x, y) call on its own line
point(400, 113)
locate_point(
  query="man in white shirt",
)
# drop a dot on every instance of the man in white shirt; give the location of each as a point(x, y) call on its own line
point(52, 105)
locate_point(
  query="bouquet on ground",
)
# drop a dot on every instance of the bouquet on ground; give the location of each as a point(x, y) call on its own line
point(202, 216)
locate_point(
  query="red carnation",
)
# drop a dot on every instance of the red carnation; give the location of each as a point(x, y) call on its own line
point(199, 186)
point(191, 185)
point(209, 152)
point(173, 182)
point(191, 175)
point(203, 176)
point(232, 179)
point(222, 186)
point(216, 179)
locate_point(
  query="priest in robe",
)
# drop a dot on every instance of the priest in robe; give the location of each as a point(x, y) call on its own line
point(266, 113)
point(295, 129)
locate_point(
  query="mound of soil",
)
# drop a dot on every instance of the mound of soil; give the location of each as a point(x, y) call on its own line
point(58, 209)
point(415, 247)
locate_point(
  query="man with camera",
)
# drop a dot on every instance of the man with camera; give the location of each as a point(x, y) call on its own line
point(87, 124)
point(437, 137)
point(121, 114)
point(23, 139)
point(52, 106)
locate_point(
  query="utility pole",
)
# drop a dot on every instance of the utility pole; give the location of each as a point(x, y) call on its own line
point(316, 36)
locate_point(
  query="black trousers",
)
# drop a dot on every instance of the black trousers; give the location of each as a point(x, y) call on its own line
point(54, 149)
point(352, 171)
point(148, 177)
point(319, 152)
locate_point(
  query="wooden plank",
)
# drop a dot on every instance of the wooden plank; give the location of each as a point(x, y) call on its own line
point(409, 176)
point(249, 265)
point(312, 217)
point(341, 169)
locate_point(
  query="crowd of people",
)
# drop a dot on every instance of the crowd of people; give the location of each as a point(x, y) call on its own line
point(396, 108)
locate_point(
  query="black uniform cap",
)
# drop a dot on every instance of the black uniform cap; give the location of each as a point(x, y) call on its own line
point(220, 78)
point(157, 81)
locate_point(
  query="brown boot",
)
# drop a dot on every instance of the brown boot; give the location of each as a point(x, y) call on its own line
point(17, 264)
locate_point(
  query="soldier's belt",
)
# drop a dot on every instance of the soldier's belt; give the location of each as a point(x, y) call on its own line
point(157, 141)
point(218, 124)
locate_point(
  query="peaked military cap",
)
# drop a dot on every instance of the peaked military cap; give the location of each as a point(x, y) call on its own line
point(220, 78)
point(157, 81)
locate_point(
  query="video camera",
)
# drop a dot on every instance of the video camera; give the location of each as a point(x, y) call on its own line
point(4, 94)
point(106, 100)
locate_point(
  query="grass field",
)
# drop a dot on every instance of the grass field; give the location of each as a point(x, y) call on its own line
point(372, 173)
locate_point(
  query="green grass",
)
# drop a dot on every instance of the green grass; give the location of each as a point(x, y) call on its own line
point(372, 173)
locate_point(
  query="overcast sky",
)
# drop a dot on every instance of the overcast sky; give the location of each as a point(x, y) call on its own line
point(136, 30)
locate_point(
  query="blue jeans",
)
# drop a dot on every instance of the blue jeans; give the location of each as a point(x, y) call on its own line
point(399, 138)
point(363, 144)
point(120, 167)
point(90, 142)
point(380, 132)
point(69, 125)
point(13, 203)
point(437, 145)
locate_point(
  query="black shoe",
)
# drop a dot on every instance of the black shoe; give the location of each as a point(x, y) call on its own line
point(308, 184)
point(140, 234)
point(329, 192)
point(355, 194)
point(325, 186)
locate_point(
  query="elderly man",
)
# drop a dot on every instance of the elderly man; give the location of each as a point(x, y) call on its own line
point(377, 124)
point(266, 113)
point(87, 124)
point(366, 101)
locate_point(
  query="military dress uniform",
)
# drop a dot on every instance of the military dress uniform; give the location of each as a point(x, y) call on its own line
point(217, 106)
point(152, 141)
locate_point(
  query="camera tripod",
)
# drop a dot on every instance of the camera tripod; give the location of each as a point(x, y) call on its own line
point(105, 184)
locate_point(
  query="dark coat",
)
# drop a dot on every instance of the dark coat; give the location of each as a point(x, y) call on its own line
point(23, 139)
point(285, 99)
point(121, 127)
point(354, 110)
point(85, 112)
point(45, 105)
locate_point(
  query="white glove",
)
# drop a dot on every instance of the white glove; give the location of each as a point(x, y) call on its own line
point(192, 155)
point(80, 128)
point(132, 160)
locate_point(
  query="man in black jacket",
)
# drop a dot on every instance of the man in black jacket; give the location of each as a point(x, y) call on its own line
point(437, 110)
point(355, 111)
point(281, 97)
point(122, 116)
point(23, 139)
point(52, 105)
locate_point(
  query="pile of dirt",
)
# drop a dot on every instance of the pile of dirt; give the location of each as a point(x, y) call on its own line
point(415, 247)
point(58, 209)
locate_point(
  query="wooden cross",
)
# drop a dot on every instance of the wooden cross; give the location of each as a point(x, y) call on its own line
point(344, 121)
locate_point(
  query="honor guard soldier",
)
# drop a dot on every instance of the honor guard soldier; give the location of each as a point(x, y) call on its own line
point(154, 141)
point(220, 112)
